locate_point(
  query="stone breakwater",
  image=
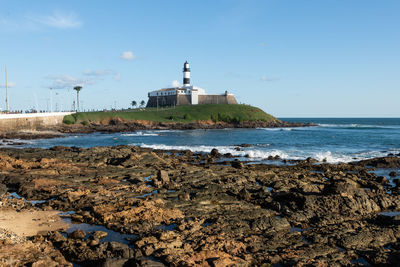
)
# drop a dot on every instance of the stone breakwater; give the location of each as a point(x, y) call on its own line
point(185, 209)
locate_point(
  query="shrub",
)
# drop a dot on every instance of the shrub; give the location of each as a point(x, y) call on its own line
point(187, 116)
point(69, 119)
point(236, 119)
point(85, 122)
point(224, 117)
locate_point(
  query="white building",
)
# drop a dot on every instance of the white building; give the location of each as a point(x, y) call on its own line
point(187, 94)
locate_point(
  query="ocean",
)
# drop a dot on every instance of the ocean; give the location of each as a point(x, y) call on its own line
point(334, 140)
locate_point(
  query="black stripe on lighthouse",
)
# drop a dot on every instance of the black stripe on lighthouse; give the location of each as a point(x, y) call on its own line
point(186, 74)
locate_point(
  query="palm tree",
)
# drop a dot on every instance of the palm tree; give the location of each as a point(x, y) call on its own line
point(133, 103)
point(142, 103)
point(77, 89)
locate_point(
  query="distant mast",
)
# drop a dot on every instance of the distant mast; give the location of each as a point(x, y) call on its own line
point(6, 91)
point(186, 74)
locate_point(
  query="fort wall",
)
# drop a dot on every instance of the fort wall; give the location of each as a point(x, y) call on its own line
point(171, 100)
point(217, 99)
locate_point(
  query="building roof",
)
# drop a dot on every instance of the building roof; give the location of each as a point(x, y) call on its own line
point(166, 89)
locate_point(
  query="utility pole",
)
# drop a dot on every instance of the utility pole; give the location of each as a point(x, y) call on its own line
point(7, 107)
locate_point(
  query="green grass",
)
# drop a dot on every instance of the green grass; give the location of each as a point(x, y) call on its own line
point(222, 112)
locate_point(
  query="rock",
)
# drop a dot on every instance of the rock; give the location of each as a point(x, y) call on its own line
point(382, 180)
point(237, 164)
point(94, 242)
point(3, 189)
point(270, 224)
point(245, 145)
point(78, 234)
point(147, 262)
point(384, 162)
point(120, 250)
point(244, 194)
point(163, 177)
point(214, 153)
point(100, 234)
point(310, 160)
point(116, 263)
point(185, 196)
point(393, 174)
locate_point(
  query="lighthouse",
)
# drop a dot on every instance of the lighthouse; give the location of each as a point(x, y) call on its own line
point(186, 74)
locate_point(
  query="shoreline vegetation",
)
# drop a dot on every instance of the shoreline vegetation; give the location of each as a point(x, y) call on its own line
point(179, 117)
point(183, 208)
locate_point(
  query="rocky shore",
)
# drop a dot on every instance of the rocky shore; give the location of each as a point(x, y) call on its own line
point(177, 208)
point(15, 138)
point(119, 125)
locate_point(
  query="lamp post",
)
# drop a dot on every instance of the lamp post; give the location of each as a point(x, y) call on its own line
point(7, 107)
point(51, 99)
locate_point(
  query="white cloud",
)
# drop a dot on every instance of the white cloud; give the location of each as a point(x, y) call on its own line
point(127, 55)
point(57, 20)
point(37, 22)
point(175, 83)
point(65, 81)
point(98, 73)
point(9, 84)
point(265, 78)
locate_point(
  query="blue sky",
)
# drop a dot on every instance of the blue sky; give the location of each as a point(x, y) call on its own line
point(332, 58)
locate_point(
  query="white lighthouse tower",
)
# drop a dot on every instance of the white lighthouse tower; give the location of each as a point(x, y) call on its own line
point(186, 74)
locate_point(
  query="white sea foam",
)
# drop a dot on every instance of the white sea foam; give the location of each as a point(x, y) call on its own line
point(168, 131)
point(9, 142)
point(256, 154)
point(140, 134)
point(332, 158)
point(355, 125)
point(262, 154)
point(276, 129)
point(286, 129)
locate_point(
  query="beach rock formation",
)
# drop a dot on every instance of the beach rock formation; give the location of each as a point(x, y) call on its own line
point(184, 209)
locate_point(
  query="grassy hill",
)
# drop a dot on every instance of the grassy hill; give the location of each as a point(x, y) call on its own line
point(222, 112)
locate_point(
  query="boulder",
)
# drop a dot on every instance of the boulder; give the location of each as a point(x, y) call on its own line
point(215, 153)
point(237, 164)
point(78, 234)
point(162, 177)
point(99, 234)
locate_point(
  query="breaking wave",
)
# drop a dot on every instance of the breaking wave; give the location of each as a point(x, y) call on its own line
point(263, 154)
point(359, 126)
point(140, 134)
point(250, 153)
